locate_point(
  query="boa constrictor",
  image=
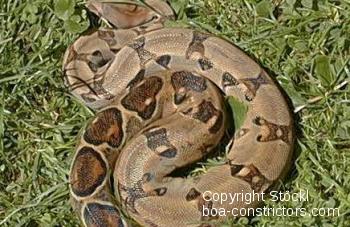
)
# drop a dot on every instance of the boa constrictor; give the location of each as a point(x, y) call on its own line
point(159, 92)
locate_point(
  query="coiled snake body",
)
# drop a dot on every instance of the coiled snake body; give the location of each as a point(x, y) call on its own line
point(159, 95)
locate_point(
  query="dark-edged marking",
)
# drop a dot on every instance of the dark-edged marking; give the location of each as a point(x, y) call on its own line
point(188, 111)
point(106, 128)
point(107, 36)
point(205, 64)
point(89, 171)
point(253, 85)
point(234, 168)
point(88, 98)
point(115, 50)
point(159, 191)
point(142, 98)
point(147, 177)
point(96, 91)
point(241, 132)
point(193, 194)
point(95, 85)
point(133, 193)
point(102, 215)
point(97, 61)
point(206, 148)
point(133, 126)
point(206, 111)
point(144, 55)
point(196, 45)
point(255, 178)
point(150, 223)
point(157, 139)
point(137, 79)
point(206, 203)
point(179, 98)
point(72, 55)
point(250, 174)
point(163, 60)
point(138, 43)
point(228, 80)
point(136, 192)
point(275, 132)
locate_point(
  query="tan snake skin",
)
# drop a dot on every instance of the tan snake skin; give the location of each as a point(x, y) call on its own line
point(160, 95)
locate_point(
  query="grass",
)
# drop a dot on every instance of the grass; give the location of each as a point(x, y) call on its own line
point(304, 43)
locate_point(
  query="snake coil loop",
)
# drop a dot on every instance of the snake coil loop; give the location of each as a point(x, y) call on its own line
point(159, 95)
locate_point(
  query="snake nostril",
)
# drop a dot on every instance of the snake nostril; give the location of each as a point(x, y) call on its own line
point(257, 120)
point(155, 17)
point(259, 138)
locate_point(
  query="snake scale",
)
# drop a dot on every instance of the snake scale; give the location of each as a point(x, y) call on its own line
point(160, 94)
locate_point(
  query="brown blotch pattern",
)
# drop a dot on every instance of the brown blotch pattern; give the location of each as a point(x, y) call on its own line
point(88, 172)
point(157, 138)
point(183, 81)
point(188, 80)
point(206, 111)
point(275, 132)
point(136, 192)
point(98, 215)
point(196, 44)
point(142, 98)
point(253, 85)
point(106, 128)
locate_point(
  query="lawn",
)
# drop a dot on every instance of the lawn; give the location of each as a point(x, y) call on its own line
point(304, 43)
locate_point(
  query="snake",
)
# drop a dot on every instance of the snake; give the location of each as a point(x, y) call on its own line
point(160, 96)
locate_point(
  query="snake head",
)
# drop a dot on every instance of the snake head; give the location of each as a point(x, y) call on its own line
point(129, 14)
